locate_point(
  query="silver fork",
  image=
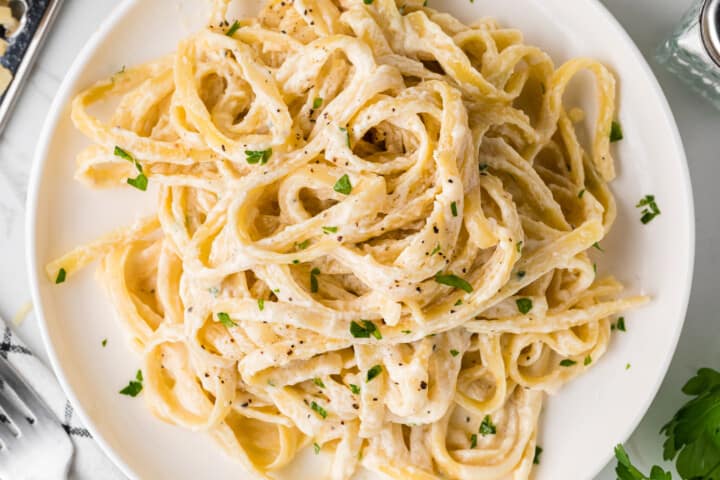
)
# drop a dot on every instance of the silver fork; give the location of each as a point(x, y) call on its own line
point(35, 446)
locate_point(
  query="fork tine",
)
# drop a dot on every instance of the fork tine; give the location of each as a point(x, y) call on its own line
point(38, 408)
point(11, 409)
point(6, 436)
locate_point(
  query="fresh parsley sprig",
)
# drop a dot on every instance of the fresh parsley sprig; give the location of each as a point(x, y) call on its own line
point(626, 471)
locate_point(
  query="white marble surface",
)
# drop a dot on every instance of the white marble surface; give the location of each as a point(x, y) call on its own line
point(647, 21)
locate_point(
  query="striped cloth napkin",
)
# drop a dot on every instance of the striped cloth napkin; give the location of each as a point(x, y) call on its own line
point(89, 461)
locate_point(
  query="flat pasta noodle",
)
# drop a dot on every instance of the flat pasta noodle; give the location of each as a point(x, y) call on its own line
point(371, 237)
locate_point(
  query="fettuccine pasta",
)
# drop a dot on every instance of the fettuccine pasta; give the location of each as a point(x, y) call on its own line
point(371, 236)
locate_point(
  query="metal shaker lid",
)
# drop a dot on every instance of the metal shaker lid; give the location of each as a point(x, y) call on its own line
point(710, 28)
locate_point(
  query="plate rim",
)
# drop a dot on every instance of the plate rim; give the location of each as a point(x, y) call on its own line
point(59, 104)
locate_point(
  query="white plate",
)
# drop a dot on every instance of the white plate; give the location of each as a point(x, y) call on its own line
point(580, 426)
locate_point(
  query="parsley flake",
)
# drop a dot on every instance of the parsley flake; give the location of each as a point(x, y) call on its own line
point(365, 330)
point(318, 409)
point(524, 305)
point(354, 389)
point(487, 427)
point(318, 382)
point(258, 156)
point(233, 28)
point(317, 103)
point(453, 209)
point(61, 276)
point(650, 209)
point(314, 287)
point(567, 362)
point(225, 319)
point(621, 324)
point(454, 352)
point(536, 458)
point(343, 185)
point(302, 245)
point(104, 342)
point(581, 193)
point(616, 133)
point(588, 360)
point(329, 230)
point(261, 304)
point(134, 387)
point(454, 281)
point(316, 448)
point(373, 372)
point(473, 440)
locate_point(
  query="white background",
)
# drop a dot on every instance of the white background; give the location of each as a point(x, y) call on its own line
point(647, 21)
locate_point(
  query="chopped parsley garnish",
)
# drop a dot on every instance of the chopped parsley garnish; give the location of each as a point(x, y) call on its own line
point(626, 471)
point(317, 103)
point(134, 387)
point(329, 230)
point(318, 382)
point(454, 352)
point(597, 246)
point(487, 427)
point(524, 305)
point(453, 209)
point(536, 458)
point(365, 330)
point(588, 360)
point(104, 342)
point(621, 324)
point(368, 2)
point(119, 152)
point(343, 185)
point(261, 304)
point(354, 389)
point(616, 133)
point(140, 182)
point(61, 276)
point(302, 245)
point(314, 287)
point(459, 302)
point(258, 156)
point(453, 281)
point(627, 366)
point(406, 332)
point(233, 28)
point(435, 250)
point(225, 319)
point(650, 209)
point(581, 193)
point(296, 262)
point(374, 372)
point(567, 363)
point(318, 409)
point(519, 246)
point(316, 447)
point(347, 135)
point(473, 440)
point(595, 268)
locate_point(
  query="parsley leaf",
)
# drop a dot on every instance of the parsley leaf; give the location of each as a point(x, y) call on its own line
point(693, 434)
point(487, 427)
point(225, 319)
point(454, 281)
point(343, 185)
point(621, 324)
point(536, 458)
point(141, 181)
point(524, 305)
point(354, 389)
point(329, 230)
point(317, 103)
point(317, 381)
point(316, 447)
point(134, 387)
point(258, 156)
point(650, 209)
point(626, 471)
point(318, 409)
point(454, 352)
point(261, 304)
point(616, 133)
point(62, 274)
point(453, 209)
point(374, 372)
point(473, 440)
point(365, 330)
point(233, 28)
point(567, 363)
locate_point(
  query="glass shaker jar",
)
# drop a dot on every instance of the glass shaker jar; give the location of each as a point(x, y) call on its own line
point(693, 50)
